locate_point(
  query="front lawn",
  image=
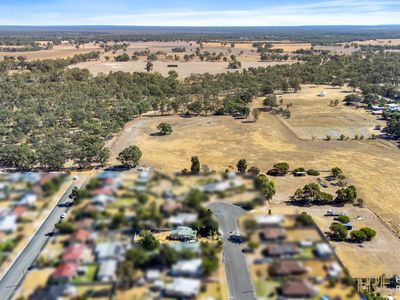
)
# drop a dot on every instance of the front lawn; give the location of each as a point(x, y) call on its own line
point(88, 276)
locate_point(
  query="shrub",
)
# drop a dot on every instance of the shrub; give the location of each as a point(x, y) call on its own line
point(165, 128)
point(358, 236)
point(279, 169)
point(301, 169)
point(338, 232)
point(304, 219)
point(148, 241)
point(242, 166)
point(254, 171)
point(265, 186)
point(247, 205)
point(369, 232)
point(312, 172)
point(343, 219)
point(195, 167)
point(65, 227)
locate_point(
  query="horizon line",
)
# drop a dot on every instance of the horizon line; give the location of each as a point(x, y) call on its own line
point(211, 26)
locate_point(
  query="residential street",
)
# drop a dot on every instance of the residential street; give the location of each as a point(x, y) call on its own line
point(237, 274)
point(14, 276)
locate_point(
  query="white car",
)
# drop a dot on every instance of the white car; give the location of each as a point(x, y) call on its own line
point(75, 177)
point(62, 216)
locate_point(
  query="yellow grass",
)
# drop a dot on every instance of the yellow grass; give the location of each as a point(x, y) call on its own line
point(290, 47)
point(219, 142)
point(33, 280)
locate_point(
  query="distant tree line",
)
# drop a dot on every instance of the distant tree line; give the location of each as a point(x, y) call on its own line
point(51, 114)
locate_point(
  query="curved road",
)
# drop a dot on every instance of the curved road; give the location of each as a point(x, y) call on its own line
point(236, 272)
point(14, 276)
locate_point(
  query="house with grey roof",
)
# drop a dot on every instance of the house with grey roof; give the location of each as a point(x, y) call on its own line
point(107, 270)
point(109, 251)
point(182, 233)
point(183, 288)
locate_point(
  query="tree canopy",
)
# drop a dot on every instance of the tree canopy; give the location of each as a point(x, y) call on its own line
point(130, 156)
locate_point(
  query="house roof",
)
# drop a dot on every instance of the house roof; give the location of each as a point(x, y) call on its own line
point(65, 270)
point(282, 249)
point(323, 249)
point(108, 191)
point(107, 268)
point(289, 267)
point(73, 252)
point(220, 186)
point(8, 223)
point(18, 210)
point(190, 266)
point(274, 233)
point(170, 206)
point(152, 274)
point(108, 174)
point(184, 231)
point(269, 220)
point(298, 288)
point(80, 235)
point(183, 218)
point(106, 250)
point(85, 223)
point(183, 286)
point(47, 177)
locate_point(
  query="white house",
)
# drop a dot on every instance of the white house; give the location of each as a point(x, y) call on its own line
point(182, 219)
point(28, 200)
point(187, 268)
point(107, 251)
point(152, 275)
point(107, 270)
point(102, 200)
point(183, 287)
point(269, 220)
point(323, 250)
point(8, 224)
point(144, 177)
point(220, 186)
point(334, 270)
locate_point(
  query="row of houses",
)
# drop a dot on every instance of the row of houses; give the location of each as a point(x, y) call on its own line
point(291, 261)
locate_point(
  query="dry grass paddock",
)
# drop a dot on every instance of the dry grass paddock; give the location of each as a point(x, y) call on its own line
point(184, 69)
point(219, 141)
point(313, 118)
point(60, 51)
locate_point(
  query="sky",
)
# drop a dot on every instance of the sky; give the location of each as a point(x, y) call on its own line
point(199, 13)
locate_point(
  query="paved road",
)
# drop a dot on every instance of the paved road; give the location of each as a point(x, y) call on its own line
point(13, 278)
point(237, 274)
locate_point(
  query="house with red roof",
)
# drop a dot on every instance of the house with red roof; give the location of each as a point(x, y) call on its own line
point(78, 253)
point(18, 211)
point(107, 191)
point(80, 236)
point(65, 271)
